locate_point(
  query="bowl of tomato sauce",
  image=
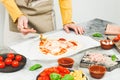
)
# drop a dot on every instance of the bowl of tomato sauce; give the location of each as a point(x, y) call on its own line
point(97, 71)
point(66, 62)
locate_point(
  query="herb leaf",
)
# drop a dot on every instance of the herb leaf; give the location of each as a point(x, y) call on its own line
point(113, 57)
point(35, 67)
point(97, 34)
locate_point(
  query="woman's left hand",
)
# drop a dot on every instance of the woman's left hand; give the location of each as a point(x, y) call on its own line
point(77, 29)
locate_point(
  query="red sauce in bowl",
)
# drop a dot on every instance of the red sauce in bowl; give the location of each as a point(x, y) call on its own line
point(97, 71)
point(66, 62)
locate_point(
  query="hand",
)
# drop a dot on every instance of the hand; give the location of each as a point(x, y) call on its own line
point(76, 28)
point(23, 25)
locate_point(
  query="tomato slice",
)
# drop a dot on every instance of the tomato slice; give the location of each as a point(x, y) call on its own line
point(116, 39)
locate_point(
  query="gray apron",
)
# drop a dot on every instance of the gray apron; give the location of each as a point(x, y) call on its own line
point(40, 15)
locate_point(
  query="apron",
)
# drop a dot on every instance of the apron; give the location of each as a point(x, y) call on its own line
point(40, 15)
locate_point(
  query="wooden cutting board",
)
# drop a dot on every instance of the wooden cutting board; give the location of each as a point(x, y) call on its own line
point(117, 44)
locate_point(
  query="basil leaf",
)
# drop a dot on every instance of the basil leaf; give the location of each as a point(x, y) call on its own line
point(113, 57)
point(97, 34)
point(35, 67)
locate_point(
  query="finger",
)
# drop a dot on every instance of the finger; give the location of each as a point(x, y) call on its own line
point(33, 30)
point(20, 25)
point(66, 29)
point(26, 31)
point(25, 23)
point(80, 30)
point(76, 30)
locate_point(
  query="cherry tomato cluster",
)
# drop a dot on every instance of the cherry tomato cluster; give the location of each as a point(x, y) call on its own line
point(117, 38)
point(46, 73)
point(10, 60)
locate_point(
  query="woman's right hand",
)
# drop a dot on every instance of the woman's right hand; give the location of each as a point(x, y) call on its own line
point(23, 25)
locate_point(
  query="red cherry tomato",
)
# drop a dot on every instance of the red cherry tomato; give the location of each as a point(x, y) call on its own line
point(15, 64)
point(2, 65)
point(10, 55)
point(63, 70)
point(116, 39)
point(18, 57)
point(8, 61)
point(1, 58)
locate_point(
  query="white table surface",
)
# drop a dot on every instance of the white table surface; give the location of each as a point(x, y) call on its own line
point(25, 74)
